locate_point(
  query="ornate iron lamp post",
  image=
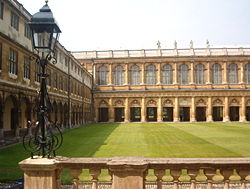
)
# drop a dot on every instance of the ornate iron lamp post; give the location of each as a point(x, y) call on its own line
point(47, 136)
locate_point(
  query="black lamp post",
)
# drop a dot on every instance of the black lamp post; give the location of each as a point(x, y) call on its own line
point(47, 136)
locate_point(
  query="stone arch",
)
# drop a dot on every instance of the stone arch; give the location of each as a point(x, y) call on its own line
point(135, 103)
point(25, 108)
point(103, 104)
point(201, 102)
point(119, 103)
point(168, 103)
point(151, 103)
point(10, 113)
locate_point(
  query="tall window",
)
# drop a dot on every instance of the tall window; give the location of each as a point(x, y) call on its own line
point(60, 83)
point(27, 31)
point(134, 75)
point(14, 21)
point(199, 74)
point(119, 75)
point(26, 67)
point(247, 73)
point(13, 59)
point(37, 72)
point(216, 74)
point(49, 78)
point(103, 75)
point(1, 55)
point(183, 74)
point(55, 80)
point(167, 74)
point(150, 74)
point(1, 10)
point(65, 84)
point(233, 73)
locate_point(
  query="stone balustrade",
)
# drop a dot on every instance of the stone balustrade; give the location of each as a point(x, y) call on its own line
point(163, 53)
point(131, 172)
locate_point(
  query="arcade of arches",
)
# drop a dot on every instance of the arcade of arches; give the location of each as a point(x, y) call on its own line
point(173, 109)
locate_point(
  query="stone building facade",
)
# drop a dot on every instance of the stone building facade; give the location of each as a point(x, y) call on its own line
point(170, 85)
point(69, 84)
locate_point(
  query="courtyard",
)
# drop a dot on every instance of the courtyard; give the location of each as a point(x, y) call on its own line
point(168, 140)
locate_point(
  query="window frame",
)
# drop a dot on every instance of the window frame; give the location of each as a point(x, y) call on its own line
point(135, 77)
point(199, 74)
point(26, 67)
point(183, 76)
point(13, 61)
point(119, 75)
point(167, 74)
point(151, 74)
point(14, 20)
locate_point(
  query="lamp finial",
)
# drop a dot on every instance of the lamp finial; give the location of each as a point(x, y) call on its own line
point(46, 1)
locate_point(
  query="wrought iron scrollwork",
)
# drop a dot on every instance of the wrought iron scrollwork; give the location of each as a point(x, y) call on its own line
point(47, 137)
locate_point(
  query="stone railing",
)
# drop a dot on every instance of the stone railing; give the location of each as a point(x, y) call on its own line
point(131, 172)
point(236, 51)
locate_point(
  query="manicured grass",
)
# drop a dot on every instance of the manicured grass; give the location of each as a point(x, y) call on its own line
point(186, 140)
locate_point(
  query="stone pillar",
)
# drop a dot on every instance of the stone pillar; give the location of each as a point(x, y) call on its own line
point(110, 75)
point(95, 74)
point(226, 110)
point(128, 173)
point(192, 112)
point(1, 125)
point(242, 81)
point(143, 111)
point(176, 109)
point(126, 111)
point(159, 110)
point(96, 113)
point(224, 76)
point(175, 74)
point(158, 73)
point(192, 73)
point(159, 173)
point(208, 81)
point(243, 109)
point(126, 78)
point(143, 74)
point(111, 110)
point(209, 109)
point(40, 172)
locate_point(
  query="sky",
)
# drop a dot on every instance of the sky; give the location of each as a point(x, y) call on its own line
point(138, 24)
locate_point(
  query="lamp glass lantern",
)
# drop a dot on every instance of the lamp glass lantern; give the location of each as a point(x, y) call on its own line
point(45, 30)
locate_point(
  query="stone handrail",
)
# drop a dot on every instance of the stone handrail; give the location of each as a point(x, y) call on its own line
point(235, 51)
point(131, 172)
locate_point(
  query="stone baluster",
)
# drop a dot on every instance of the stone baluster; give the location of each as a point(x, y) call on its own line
point(226, 174)
point(94, 173)
point(193, 173)
point(111, 175)
point(175, 174)
point(210, 174)
point(243, 174)
point(75, 173)
point(159, 173)
point(145, 178)
point(58, 178)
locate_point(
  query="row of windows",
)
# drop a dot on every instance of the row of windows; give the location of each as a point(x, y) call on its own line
point(14, 21)
point(167, 74)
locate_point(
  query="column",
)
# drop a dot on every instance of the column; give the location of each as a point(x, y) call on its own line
point(209, 109)
point(126, 79)
point(143, 74)
point(110, 75)
point(242, 73)
point(159, 74)
point(111, 110)
point(192, 73)
point(159, 110)
point(243, 109)
point(1, 125)
point(208, 73)
point(176, 109)
point(126, 111)
point(143, 114)
point(96, 113)
point(226, 110)
point(175, 74)
point(224, 79)
point(95, 74)
point(192, 112)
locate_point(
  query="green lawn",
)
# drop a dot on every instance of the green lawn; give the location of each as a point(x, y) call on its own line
point(186, 140)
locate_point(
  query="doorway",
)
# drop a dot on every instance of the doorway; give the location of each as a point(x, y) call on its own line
point(200, 114)
point(151, 114)
point(119, 114)
point(184, 114)
point(103, 114)
point(135, 114)
point(234, 113)
point(218, 113)
point(167, 114)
